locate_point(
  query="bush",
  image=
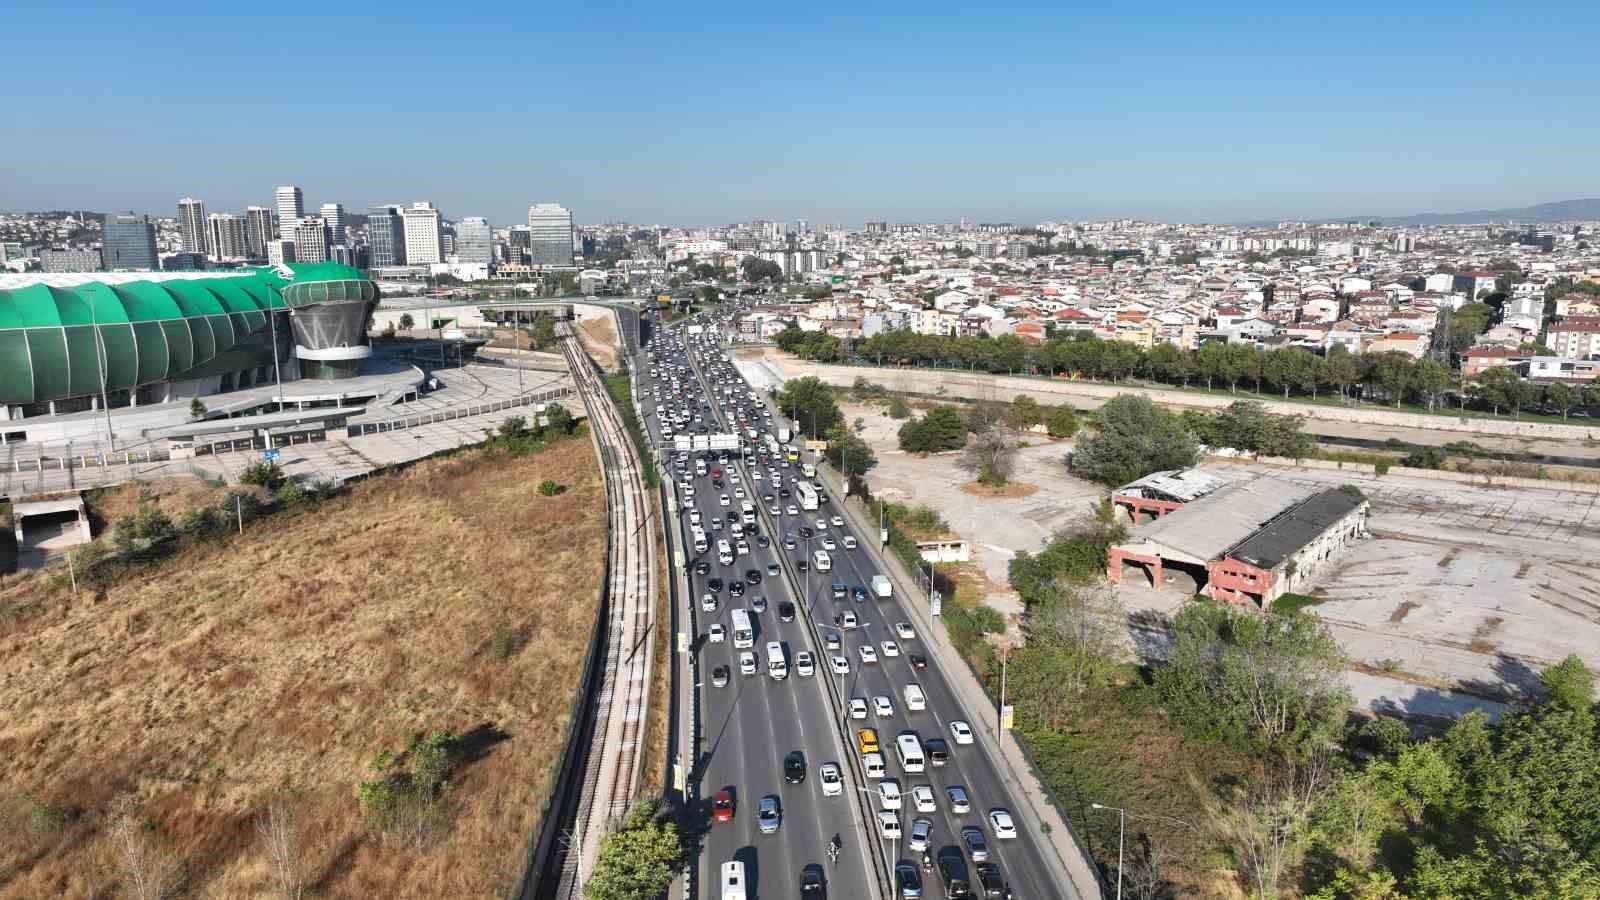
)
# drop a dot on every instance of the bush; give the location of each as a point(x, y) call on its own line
point(146, 528)
point(899, 408)
point(262, 473)
point(197, 409)
point(503, 642)
point(290, 495)
point(1426, 458)
point(943, 428)
point(408, 783)
point(548, 488)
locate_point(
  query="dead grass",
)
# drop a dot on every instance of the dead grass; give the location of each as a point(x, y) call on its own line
point(598, 335)
point(172, 496)
point(287, 659)
point(1011, 490)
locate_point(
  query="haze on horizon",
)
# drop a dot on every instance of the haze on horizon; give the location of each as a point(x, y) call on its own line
point(915, 112)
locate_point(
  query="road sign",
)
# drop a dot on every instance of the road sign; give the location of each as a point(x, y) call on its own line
point(1007, 716)
point(935, 604)
point(683, 642)
point(680, 779)
point(270, 455)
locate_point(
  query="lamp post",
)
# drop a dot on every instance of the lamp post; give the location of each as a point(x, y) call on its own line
point(1122, 827)
point(272, 322)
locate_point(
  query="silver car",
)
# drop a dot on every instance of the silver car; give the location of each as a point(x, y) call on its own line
point(768, 817)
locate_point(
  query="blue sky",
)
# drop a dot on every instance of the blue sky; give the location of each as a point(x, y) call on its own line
point(709, 113)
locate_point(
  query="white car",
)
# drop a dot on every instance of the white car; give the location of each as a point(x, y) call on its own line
point(838, 521)
point(847, 619)
point(858, 708)
point(822, 524)
point(961, 731)
point(889, 825)
point(828, 543)
point(723, 499)
point(738, 492)
point(890, 648)
point(1004, 828)
point(905, 631)
point(958, 799)
point(922, 798)
point(715, 633)
point(849, 542)
point(791, 510)
point(747, 663)
point(839, 664)
point(869, 654)
point(889, 795)
point(882, 707)
point(832, 784)
point(775, 509)
point(921, 835)
point(805, 663)
point(756, 474)
point(708, 603)
point(873, 763)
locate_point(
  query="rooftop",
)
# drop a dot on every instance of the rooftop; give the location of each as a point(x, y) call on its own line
point(1206, 529)
point(1296, 528)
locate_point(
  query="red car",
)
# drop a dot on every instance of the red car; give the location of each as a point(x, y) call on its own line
point(722, 807)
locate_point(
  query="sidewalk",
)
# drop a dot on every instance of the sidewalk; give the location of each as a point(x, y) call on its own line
point(1070, 861)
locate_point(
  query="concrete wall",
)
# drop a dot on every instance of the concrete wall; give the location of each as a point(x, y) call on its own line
point(1082, 394)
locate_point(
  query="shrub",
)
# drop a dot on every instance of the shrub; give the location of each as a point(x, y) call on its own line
point(1061, 422)
point(548, 488)
point(401, 798)
point(291, 495)
point(145, 528)
point(1425, 458)
point(262, 473)
point(197, 409)
point(503, 642)
point(899, 408)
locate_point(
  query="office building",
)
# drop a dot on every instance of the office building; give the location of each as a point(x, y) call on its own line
point(280, 251)
point(311, 244)
point(549, 235)
point(291, 208)
point(424, 241)
point(192, 225)
point(386, 236)
point(258, 229)
point(129, 243)
point(225, 235)
point(57, 261)
point(333, 214)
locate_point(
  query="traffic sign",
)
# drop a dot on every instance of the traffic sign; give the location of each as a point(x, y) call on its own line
point(1007, 716)
point(683, 642)
point(270, 455)
point(935, 604)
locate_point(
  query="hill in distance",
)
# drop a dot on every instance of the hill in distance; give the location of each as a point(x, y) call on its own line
point(1560, 211)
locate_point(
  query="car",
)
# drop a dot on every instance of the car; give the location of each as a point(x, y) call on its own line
point(858, 707)
point(890, 648)
point(722, 500)
point(715, 633)
point(811, 883)
point(783, 492)
point(839, 664)
point(722, 807)
point(714, 585)
point(882, 707)
point(837, 521)
point(961, 731)
point(736, 588)
point(774, 509)
point(702, 568)
point(958, 799)
point(922, 798)
point(889, 795)
point(977, 845)
point(719, 676)
point(791, 510)
point(752, 576)
point(764, 542)
point(747, 663)
point(832, 783)
point(918, 661)
point(806, 533)
point(859, 594)
point(849, 542)
point(708, 603)
point(830, 638)
point(786, 611)
point(867, 740)
point(869, 654)
point(788, 540)
point(938, 751)
point(768, 817)
point(802, 565)
point(846, 619)
point(805, 663)
point(907, 881)
point(794, 767)
point(772, 568)
point(1000, 821)
point(990, 879)
point(758, 604)
point(889, 825)
point(904, 631)
point(828, 543)
point(921, 835)
point(822, 524)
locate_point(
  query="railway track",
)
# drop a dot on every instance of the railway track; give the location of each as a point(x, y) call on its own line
point(612, 767)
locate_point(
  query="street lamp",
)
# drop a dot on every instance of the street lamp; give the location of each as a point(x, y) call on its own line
point(1122, 827)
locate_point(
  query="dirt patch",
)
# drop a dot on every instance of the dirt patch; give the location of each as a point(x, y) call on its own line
point(599, 337)
point(1400, 612)
point(1481, 635)
point(448, 597)
point(1010, 490)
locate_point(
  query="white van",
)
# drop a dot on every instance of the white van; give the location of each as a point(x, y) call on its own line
point(724, 553)
point(747, 512)
point(699, 541)
point(915, 699)
point(733, 881)
point(777, 665)
point(822, 561)
point(909, 748)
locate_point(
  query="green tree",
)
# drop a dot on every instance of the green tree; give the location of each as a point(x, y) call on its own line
point(1562, 396)
point(943, 428)
point(638, 861)
point(1247, 425)
point(848, 452)
point(406, 322)
point(1025, 413)
point(898, 408)
point(1339, 370)
point(557, 419)
point(1061, 421)
point(1135, 438)
point(811, 404)
point(1498, 387)
point(1428, 379)
point(197, 409)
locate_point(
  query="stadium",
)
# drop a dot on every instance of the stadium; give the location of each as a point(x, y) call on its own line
point(69, 343)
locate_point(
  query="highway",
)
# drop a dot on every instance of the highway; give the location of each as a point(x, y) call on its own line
point(753, 722)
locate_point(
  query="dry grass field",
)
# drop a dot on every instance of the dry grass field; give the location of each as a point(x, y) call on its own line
point(146, 730)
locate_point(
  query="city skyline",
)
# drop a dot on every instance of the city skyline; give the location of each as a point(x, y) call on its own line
point(1225, 116)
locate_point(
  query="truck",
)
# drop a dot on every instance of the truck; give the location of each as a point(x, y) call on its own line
point(807, 495)
point(784, 434)
point(881, 588)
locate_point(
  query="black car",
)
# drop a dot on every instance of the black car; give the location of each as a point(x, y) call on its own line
point(714, 585)
point(762, 542)
point(907, 880)
point(802, 565)
point(794, 767)
point(752, 576)
point(702, 568)
point(990, 880)
point(812, 886)
point(918, 661)
point(786, 611)
point(953, 869)
point(938, 753)
point(788, 540)
point(783, 492)
point(736, 588)
point(806, 533)
point(733, 518)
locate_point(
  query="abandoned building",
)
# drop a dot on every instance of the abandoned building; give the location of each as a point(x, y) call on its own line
point(1248, 542)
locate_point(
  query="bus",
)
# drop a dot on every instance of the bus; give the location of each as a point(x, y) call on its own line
point(909, 748)
point(744, 637)
point(733, 881)
point(807, 494)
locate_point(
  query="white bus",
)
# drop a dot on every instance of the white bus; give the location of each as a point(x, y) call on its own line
point(733, 881)
point(822, 561)
point(807, 495)
point(744, 636)
point(724, 553)
point(909, 748)
point(777, 666)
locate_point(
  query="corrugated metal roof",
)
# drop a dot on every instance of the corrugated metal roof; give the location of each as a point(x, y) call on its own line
point(1205, 529)
point(1177, 484)
point(1295, 528)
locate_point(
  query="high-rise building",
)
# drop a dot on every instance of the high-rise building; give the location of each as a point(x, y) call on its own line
point(550, 235)
point(386, 236)
point(517, 245)
point(424, 242)
point(280, 251)
point(291, 208)
point(474, 240)
point(310, 236)
point(59, 261)
point(333, 214)
point(225, 235)
point(257, 231)
point(129, 242)
point(192, 225)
